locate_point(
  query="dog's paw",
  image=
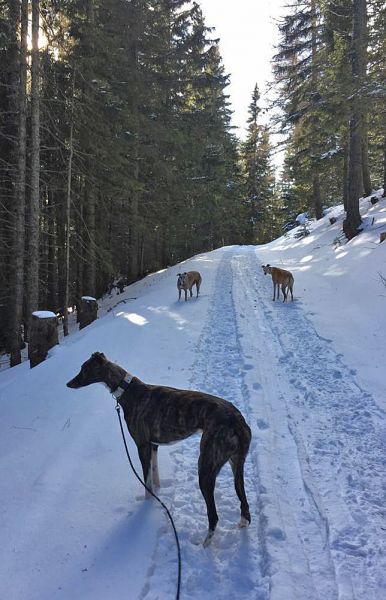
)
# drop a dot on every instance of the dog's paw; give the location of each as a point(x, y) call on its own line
point(143, 497)
point(208, 538)
point(196, 540)
point(243, 523)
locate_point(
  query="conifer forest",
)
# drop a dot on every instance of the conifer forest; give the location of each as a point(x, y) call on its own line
point(117, 152)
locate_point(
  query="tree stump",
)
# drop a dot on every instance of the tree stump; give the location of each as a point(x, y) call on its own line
point(43, 336)
point(382, 237)
point(88, 311)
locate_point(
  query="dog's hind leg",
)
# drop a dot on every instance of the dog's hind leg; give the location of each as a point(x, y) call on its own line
point(237, 464)
point(144, 453)
point(207, 482)
point(211, 460)
point(154, 465)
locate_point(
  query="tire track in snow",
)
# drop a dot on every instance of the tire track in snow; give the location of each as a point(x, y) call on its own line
point(300, 564)
point(340, 435)
point(234, 566)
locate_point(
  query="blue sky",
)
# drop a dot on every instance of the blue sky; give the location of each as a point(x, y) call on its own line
point(247, 33)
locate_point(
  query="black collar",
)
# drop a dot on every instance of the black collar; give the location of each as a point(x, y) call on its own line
point(122, 386)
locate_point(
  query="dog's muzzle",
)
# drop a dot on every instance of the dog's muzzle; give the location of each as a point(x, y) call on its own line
point(73, 383)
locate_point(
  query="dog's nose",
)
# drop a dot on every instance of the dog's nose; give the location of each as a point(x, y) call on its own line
point(70, 383)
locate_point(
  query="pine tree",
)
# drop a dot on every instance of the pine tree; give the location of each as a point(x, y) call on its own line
point(297, 66)
point(258, 175)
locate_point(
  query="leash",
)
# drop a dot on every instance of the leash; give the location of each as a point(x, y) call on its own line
point(118, 409)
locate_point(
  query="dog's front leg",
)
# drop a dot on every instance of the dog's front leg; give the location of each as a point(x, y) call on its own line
point(154, 465)
point(144, 453)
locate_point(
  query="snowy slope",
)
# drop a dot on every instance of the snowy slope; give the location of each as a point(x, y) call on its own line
point(307, 375)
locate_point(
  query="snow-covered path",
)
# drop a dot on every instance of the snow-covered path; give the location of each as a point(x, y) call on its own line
point(322, 452)
point(235, 559)
point(315, 474)
point(72, 523)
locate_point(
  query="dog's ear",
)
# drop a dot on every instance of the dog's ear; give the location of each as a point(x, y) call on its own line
point(99, 356)
point(178, 274)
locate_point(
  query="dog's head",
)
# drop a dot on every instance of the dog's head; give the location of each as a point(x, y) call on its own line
point(266, 269)
point(92, 371)
point(181, 278)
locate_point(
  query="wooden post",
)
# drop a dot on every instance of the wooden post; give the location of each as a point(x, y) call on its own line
point(382, 237)
point(43, 336)
point(88, 311)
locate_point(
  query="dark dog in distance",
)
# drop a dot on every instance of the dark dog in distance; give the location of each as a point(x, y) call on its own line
point(156, 415)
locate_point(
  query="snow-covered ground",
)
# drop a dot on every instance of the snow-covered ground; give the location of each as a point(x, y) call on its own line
point(309, 378)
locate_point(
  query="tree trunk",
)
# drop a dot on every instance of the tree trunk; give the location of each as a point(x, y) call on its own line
point(89, 272)
point(19, 231)
point(79, 250)
point(89, 278)
point(133, 266)
point(32, 299)
point(355, 180)
point(8, 157)
point(384, 167)
point(52, 277)
point(355, 172)
point(365, 156)
point(134, 235)
point(365, 126)
point(68, 217)
point(316, 195)
point(345, 176)
point(317, 202)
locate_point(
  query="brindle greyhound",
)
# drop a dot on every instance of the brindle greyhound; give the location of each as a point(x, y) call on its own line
point(156, 414)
